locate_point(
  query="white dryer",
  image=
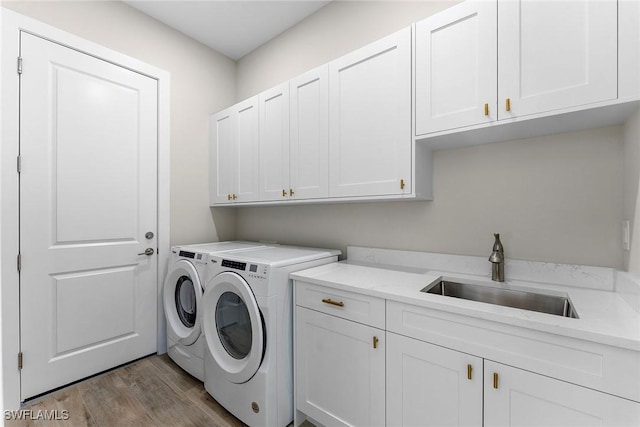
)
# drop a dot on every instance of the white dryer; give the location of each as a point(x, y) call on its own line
point(182, 293)
point(247, 322)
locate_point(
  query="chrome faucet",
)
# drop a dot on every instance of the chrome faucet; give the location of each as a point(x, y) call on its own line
point(497, 260)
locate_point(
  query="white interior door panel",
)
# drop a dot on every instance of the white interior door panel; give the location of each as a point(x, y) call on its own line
point(88, 195)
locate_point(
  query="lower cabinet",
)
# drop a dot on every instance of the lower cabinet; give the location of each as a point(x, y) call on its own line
point(514, 397)
point(340, 370)
point(429, 385)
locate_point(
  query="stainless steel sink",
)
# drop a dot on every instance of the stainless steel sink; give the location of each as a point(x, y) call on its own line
point(545, 303)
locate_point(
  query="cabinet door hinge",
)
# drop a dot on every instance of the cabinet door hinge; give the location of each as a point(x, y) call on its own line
point(19, 261)
point(20, 360)
point(19, 65)
point(19, 164)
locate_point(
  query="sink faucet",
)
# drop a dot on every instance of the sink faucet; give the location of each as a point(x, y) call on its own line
point(497, 260)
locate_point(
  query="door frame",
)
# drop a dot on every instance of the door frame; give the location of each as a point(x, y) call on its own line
point(11, 24)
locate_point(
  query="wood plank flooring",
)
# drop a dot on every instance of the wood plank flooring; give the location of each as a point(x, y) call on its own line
point(152, 391)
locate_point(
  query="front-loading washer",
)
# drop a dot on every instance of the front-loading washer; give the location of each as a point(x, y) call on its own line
point(247, 322)
point(182, 294)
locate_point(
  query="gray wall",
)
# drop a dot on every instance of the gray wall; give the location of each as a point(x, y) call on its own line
point(631, 209)
point(557, 198)
point(202, 81)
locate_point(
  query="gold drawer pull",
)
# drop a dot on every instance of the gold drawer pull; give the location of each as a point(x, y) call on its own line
point(375, 342)
point(332, 302)
point(469, 371)
point(486, 109)
point(495, 380)
point(507, 104)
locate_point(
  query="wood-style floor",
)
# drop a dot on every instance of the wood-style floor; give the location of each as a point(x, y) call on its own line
point(152, 391)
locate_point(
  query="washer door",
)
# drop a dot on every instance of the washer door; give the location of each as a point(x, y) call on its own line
point(233, 327)
point(182, 296)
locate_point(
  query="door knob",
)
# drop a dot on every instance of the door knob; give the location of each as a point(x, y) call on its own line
point(149, 235)
point(148, 252)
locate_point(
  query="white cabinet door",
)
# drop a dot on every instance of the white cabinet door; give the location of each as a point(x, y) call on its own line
point(247, 151)
point(456, 67)
point(222, 154)
point(274, 143)
point(370, 119)
point(523, 398)
point(555, 54)
point(309, 141)
point(429, 385)
point(340, 376)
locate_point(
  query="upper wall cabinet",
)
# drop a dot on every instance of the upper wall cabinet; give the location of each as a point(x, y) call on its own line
point(309, 136)
point(556, 54)
point(551, 55)
point(234, 176)
point(370, 119)
point(274, 143)
point(456, 66)
point(294, 131)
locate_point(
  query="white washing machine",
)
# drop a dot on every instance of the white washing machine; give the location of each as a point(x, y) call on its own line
point(182, 294)
point(247, 322)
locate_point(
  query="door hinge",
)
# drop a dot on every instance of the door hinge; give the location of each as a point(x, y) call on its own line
point(19, 65)
point(19, 164)
point(19, 262)
point(20, 360)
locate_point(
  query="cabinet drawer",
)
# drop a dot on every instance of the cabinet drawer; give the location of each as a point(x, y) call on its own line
point(347, 305)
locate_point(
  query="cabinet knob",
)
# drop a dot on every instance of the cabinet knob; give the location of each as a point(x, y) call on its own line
point(469, 371)
point(228, 196)
point(507, 104)
point(284, 193)
point(234, 197)
point(402, 184)
point(486, 109)
point(495, 380)
point(291, 192)
point(375, 342)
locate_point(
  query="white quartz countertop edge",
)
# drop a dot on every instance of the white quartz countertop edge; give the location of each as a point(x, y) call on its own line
point(605, 317)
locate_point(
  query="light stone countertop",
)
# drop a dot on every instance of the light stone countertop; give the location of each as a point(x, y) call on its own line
point(604, 316)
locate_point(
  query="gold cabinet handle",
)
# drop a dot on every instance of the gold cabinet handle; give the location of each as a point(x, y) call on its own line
point(402, 184)
point(234, 197)
point(284, 193)
point(375, 342)
point(507, 104)
point(469, 371)
point(291, 192)
point(486, 109)
point(228, 196)
point(495, 380)
point(332, 302)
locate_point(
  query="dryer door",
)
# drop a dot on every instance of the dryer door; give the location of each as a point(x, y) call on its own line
point(233, 327)
point(182, 296)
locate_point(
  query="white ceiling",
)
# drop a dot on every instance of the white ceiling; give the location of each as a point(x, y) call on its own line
point(232, 27)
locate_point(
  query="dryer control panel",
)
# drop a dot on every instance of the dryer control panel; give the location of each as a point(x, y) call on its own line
point(253, 270)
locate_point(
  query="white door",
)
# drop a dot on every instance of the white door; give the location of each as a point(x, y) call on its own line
point(274, 143)
point(309, 138)
point(456, 67)
point(519, 398)
point(429, 385)
point(340, 370)
point(88, 196)
point(370, 119)
point(555, 54)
